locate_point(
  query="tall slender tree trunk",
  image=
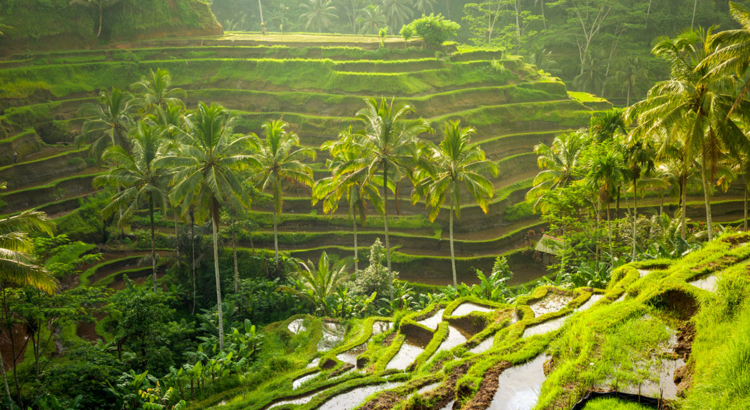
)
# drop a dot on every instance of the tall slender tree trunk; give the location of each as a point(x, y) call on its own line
point(635, 211)
point(684, 207)
point(385, 220)
point(517, 4)
point(356, 253)
point(707, 200)
point(648, 13)
point(215, 226)
point(276, 238)
point(609, 233)
point(661, 205)
point(598, 229)
point(153, 245)
point(544, 19)
point(744, 225)
point(177, 240)
point(100, 21)
point(260, 7)
point(192, 255)
point(234, 255)
point(692, 23)
point(5, 380)
point(453, 255)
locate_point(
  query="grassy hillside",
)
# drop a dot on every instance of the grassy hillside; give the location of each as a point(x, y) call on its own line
point(672, 332)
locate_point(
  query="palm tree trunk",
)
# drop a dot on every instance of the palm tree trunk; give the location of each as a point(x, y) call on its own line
point(234, 255)
point(635, 211)
point(356, 253)
point(707, 199)
point(385, 221)
point(453, 255)
point(276, 238)
point(100, 21)
point(177, 240)
point(684, 207)
point(609, 233)
point(692, 23)
point(260, 7)
point(5, 380)
point(745, 210)
point(544, 19)
point(192, 255)
point(215, 226)
point(598, 229)
point(153, 246)
point(661, 205)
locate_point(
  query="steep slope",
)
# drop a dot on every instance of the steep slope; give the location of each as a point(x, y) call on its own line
point(652, 336)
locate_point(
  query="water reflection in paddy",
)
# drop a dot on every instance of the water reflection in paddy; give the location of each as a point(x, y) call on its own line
point(552, 303)
point(466, 308)
point(520, 386)
point(433, 321)
point(304, 379)
point(485, 345)
point(353, 398)
point(593, 299)
point(381, 327)
point(454, 339)
point(350, 356)
point(544, 327)
point(405, 356)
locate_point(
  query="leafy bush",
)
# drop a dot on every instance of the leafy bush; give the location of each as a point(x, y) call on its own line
point(375, 277)
point(433, 29)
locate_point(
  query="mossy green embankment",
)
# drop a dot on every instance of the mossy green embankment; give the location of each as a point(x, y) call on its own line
point(654, 320)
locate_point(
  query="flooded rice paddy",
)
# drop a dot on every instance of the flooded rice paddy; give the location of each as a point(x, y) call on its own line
point(466, 308)
point(544, 327)
point(519, 386)
point(551, 303)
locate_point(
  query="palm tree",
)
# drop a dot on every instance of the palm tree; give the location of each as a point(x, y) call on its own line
point(639, 157)
point(108, 121)
point(205, 174)
point(557, 164)
point(592, 76)
point(97, 4)
point(371, 20)
point(279, 159)
point(631, 75)
point(605, 171)
point(319, 14)
point(155, 91)
point(397, 12)
point(422, 6)
point(693, 106)
point(353, 186)
point(17, 263)
point(318, 283)
point(141, 179)
point(449, 167)
point(387, 146)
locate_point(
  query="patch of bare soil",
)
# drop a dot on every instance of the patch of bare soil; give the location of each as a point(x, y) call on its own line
point(683, 376)
point(345, 368)
point(388, 340)
point(487, 388)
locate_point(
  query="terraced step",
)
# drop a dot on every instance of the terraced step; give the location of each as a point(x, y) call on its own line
point(61, 165)
point(58, 190)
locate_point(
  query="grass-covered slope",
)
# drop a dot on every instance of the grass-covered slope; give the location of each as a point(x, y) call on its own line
point(316, 84)
point(674, 331)
point(55, 24)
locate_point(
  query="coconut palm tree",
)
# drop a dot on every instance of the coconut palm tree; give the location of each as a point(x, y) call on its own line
point(449, 167)
point(100, 5)
point(318, 283)
point(108, 123)
point(397, 12)
point(278, 159)
point(605, 170)
point(205, 174)
point(639, 158)
point(557, 163)
point(631, 75)
point(694, 106)
point(371, 20)
point(319, 14)
point(155, 91)
point(387, 146)
point(423, 6)
point(354, 186)
point(17, 264)
point(141, 179)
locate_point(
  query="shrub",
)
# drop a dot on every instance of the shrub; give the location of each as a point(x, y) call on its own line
point(406, 32)
point(375, 277)
point(433, 29)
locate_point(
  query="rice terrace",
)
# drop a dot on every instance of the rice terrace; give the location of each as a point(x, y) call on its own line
point(374, 204)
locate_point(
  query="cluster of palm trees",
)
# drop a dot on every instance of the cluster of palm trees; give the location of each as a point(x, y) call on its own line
point(693, 125)
point(363, 18)
point(163, 156)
